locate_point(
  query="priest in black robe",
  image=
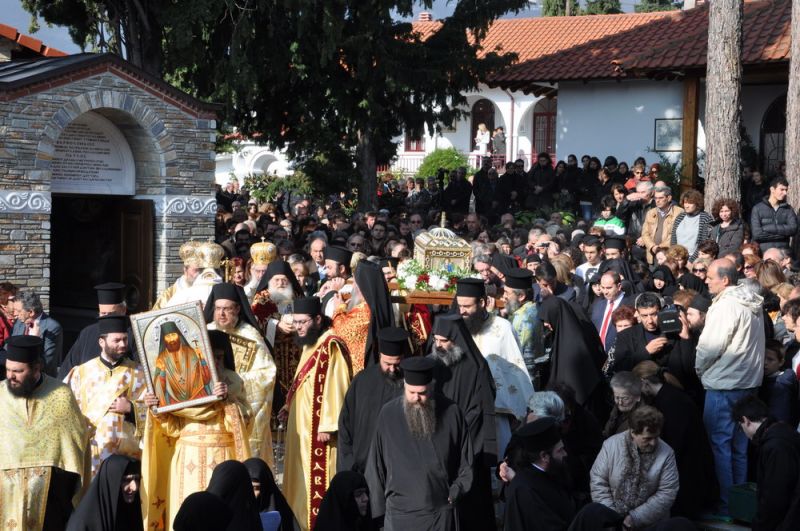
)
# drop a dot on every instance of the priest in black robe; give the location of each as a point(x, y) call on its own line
point(538, 498)
point(463, 375)
point(370, 389)
point(110, 301)
point(420, 463)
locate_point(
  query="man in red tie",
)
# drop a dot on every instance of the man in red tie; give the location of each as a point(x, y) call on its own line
point(613, 298)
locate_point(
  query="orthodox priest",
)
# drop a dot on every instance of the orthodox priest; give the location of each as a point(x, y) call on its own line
point(43, 439)
point(272, 307)
point(338, 278)
point(495, 338)
point(313, 404)
point(420, 463)
point(110, 392)
point(209, 255)
point(227, 310)
point(191, 268)
point(463, 376)
point(262, 254)
point(368, 311)
point(110, 301)
point(370, 390)
point(182, 447)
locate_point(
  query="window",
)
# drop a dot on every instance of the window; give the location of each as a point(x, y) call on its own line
point(544, 128)
point(414, 144)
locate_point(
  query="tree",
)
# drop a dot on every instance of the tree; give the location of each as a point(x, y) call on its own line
point(648, 6)
point(603, 7)
point(130, 28)
point(792, 156)
point(723, 99)
point(557, 8)
point(331, 80)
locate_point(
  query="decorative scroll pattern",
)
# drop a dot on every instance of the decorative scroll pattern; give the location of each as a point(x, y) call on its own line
point(12, 202)
point(183, 205)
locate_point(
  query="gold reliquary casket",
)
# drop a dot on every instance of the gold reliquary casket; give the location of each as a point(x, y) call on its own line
point(441, 248)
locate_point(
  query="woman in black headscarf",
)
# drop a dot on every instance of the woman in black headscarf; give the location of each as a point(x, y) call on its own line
point(576, 355)
point(230, 480)
point(693, 282)
point(202, 511)
point(105, 507)
point(270, 497)
point(662, 282)
point(345, 506)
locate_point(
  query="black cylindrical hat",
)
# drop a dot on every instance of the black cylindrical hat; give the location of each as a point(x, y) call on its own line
point(418, 370)
point(393, 341)
point(470, 287)
point(24, 349)
point(308, 306)
point(110, 293)
point(112, 324)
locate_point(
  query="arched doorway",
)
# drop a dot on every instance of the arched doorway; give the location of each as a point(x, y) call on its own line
point(773, 136)
point(544, 128)
point(482, 113)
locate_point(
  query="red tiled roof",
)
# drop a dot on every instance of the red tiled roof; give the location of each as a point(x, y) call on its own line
point(552, 49)
point(26, 41)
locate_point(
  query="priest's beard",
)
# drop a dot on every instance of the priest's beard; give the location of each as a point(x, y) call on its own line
point(395, 379)
point(512, 307)
point(449, 356)
point(252, 284)
point(23, 389)
point(355, 299)
point(420, 418)
point(311, 337)
point(476, 321)
point(281, 295)
point(558, 472)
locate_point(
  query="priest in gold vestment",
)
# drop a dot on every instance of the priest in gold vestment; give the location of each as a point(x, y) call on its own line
point(43, 438)
point(313, 403)
point(191, 269)
point(227, 310)
point(181, 448)
point(110, 392)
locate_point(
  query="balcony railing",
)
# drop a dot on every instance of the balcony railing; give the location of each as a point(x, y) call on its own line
point(408, 163)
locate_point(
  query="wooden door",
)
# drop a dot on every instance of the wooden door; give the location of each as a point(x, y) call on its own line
point(136, 237)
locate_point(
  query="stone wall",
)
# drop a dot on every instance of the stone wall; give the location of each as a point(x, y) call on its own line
point(173, 148)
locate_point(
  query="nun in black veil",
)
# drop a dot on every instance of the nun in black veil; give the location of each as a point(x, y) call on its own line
point(576, 355)
point(230, 480)
point(109, 505)
point(345, 506)
point(270, 498)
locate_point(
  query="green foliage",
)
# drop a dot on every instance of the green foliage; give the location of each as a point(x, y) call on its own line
point(558, 8)
point(266, 187)
point(648, 6)
point(603, 7)
point(449, 159)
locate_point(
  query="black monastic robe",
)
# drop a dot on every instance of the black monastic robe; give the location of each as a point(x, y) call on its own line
point(410, 480)
point(536, 502)
point(368, 393)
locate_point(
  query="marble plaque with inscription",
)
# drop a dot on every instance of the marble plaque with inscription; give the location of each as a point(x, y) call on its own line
point(93, 157)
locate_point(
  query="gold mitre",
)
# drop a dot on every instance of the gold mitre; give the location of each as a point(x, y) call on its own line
point(189, 255)
point(210, 254)
point(263, 253)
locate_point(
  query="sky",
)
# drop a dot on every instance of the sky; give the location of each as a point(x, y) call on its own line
point(58, 37)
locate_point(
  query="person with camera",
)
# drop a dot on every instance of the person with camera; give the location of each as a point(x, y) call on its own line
point(730, 363)
point(647, 340)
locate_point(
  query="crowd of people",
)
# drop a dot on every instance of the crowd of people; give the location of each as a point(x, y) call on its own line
point(629, 360)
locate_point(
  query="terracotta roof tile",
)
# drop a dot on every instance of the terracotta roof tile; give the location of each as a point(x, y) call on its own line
point(554, 49)
point(26, 41)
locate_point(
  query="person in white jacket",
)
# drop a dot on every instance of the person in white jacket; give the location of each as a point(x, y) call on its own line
point(730, 364)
